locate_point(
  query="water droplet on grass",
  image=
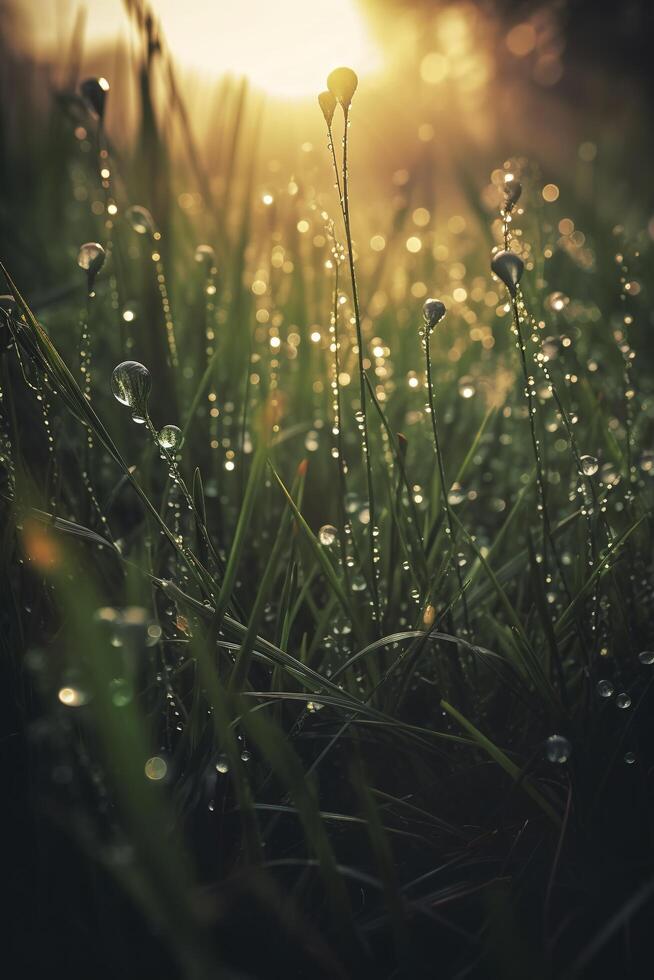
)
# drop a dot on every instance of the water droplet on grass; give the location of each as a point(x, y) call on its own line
point(131, 384)
point(156, 768)
point(623, 701)
point(558, 749)
point(170, 437)
point(467, 387)
point(141, 220)
point(327, 535)
point(605, 689)
point(589, 465)
point(73, 696)
point(557, 301)
point(646, 657)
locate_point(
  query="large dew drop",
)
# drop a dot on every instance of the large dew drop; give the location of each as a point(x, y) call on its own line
point(94, 92)
point(131, 384)
point(141, 220)
point(508, 267)
point(170, 437)
point(433, 312)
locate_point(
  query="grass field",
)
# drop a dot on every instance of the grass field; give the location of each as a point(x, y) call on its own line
point(327, 611)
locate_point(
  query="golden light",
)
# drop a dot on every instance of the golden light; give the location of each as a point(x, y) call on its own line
point(285, 49)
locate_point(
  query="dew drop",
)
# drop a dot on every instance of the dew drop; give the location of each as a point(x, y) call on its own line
point(623, 701)
point(73, 696)
point(646, 657)
point(131, 384)
point(156, 768)
point(91, 256)
point(557, 301)
point(205, 254)
point(140, 220)
point(558, 749)
point(170, 437)
point(589, 465)
point(327, 535)
point(605, 689)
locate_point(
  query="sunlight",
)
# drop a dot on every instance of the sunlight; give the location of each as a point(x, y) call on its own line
point(285, 48)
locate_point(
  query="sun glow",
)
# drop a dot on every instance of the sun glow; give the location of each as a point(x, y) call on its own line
point(285, 48)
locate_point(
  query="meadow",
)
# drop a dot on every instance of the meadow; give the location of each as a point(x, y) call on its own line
point(327, 608)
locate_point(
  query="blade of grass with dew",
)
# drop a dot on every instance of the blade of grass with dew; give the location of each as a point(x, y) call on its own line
point(498, 756)
point(236, 550)
point(242, 665)
point(322, 559)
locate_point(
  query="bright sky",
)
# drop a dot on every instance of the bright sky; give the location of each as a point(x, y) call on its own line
point(285, 47)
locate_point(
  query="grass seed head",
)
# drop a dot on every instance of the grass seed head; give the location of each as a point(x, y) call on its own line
point(433, 312)
point(94, 92)
point(508, 267)
point(327, 103)
point(512, 192)
point(342, 83)
point(91, 258)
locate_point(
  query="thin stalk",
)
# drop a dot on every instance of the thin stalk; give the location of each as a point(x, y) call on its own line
point(372, 524)
point(443, 479)
point(540, 476)
point(344, 523)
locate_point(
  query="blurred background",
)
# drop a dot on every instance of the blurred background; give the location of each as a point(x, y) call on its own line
point(446, 88)
point(212, 124)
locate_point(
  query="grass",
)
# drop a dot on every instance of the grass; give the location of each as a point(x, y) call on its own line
point(288, 702)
